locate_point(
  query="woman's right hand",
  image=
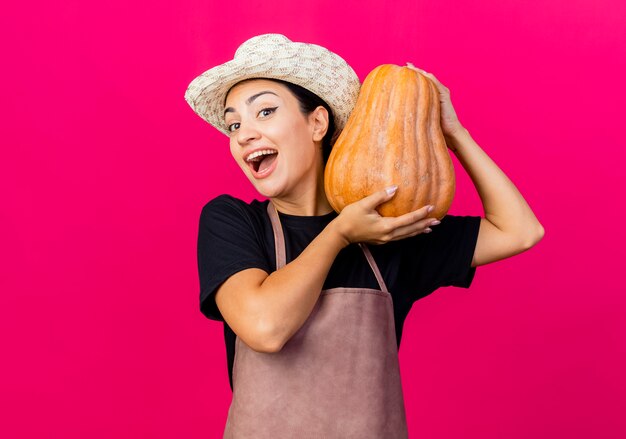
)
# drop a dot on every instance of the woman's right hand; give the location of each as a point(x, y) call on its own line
point(361, 222)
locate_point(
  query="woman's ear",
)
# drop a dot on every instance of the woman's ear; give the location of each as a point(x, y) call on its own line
point(319, 118)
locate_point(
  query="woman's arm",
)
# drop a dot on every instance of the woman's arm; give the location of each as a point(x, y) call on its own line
point(265, 310)
point(510, 226)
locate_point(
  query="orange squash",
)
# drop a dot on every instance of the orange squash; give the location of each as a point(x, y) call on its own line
point(393, 136)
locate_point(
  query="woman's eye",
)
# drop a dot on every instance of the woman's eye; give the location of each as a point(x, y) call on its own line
point(271, 110)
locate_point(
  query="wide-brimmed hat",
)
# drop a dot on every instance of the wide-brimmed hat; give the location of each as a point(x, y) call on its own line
point(275, 56)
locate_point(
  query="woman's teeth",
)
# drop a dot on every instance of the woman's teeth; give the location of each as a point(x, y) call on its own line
point(256, 154)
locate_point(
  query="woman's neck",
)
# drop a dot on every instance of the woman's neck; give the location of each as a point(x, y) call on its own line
point(309, 203)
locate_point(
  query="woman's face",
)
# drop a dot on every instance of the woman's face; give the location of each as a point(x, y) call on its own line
point(263, 116)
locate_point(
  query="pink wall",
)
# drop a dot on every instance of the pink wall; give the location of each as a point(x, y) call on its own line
point(104, 169)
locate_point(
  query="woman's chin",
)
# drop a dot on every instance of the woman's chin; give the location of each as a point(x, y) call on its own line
point(268, 189)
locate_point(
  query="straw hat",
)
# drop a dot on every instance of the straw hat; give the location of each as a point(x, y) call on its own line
point(275, 56)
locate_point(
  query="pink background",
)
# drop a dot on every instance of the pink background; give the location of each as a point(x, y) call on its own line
point(104, 169)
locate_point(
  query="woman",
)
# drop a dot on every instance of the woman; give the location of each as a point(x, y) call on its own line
point(313, 302)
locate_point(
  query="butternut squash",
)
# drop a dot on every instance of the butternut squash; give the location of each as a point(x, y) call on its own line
point(393, 136)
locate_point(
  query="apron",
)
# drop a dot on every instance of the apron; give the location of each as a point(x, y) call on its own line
point(337, 377)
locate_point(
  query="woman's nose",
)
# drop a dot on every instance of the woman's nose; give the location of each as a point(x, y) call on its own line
point(246, 133)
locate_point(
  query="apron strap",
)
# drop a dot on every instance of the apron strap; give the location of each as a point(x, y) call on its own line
point(372, 262)
point(279, 237)
point(279, 244)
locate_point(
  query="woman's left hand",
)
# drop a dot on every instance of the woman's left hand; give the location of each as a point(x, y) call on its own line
point(449, 121)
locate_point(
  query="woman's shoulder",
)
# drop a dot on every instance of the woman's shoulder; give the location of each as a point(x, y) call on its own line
point(229, 205)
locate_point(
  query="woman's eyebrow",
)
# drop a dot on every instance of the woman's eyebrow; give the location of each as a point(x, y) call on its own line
point(249, 101)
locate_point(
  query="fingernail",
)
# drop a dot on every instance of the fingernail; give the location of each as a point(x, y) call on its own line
point(391, 189)
point(431, 208)
point(427, 230)
point(434, 223)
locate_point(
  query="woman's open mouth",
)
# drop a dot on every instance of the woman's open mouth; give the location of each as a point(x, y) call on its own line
point(262, 163)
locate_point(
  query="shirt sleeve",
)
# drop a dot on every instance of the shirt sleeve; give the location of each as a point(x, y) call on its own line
point(447, 253)
point(227, 244)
